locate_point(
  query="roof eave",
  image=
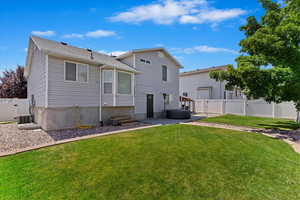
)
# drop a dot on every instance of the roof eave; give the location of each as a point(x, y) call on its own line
point(51, 53)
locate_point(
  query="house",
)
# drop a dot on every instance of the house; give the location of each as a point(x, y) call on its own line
point(69, 86)
point(197, 84)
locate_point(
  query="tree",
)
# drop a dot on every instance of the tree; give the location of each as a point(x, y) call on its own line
point(13, 84)
point(269, 64)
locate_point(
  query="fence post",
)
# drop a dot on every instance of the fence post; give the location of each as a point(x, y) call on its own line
point(245, 107)
point(273, 110)
point(223, 107)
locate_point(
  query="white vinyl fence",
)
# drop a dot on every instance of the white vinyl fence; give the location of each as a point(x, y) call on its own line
point(11, 108)
point(258, 108)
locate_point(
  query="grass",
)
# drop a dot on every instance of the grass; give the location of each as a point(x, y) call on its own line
point(167, 162)
point(8, 122)
point(255, 122)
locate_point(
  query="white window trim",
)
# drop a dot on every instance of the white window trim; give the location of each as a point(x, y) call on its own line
point(76, 63)
point(131, 79)
point(112, 82)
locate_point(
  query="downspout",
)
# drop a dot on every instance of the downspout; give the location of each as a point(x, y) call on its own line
point(114, 87)
point(100, 96)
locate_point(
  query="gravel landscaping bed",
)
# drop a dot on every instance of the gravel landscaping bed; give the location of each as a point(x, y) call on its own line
point(13, 139)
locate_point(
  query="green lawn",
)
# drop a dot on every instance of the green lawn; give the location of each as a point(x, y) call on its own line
point(255, 122)
point(167, 162)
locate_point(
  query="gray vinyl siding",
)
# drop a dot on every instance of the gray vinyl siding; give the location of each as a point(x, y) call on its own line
point(107, 100)
point(37, 78)
point(150, 82)
point(124, 100)
point(67, 94)
point(191, 83)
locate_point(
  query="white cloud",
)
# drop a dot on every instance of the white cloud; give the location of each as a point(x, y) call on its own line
point(203, 49)
point(181, 11)
point(163, 12)
point(25, 49)
point(211, 16)
point(93, 34)
point(100, 33)
point(73, 35)
point(159, 45)
point(43, 33)
point(112, 53)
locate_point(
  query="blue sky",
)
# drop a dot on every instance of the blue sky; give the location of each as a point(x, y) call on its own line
point(199, 33)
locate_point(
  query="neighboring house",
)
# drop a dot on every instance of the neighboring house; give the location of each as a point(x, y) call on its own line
point(197, 84)
point(69, 86)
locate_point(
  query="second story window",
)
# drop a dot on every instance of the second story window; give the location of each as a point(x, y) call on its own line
point(107, 77)
point(76, 72)
point(82, 73)
point(70, 71)
point(145, 61)
point(164, 73)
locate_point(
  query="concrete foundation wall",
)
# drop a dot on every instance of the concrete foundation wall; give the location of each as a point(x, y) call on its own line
point(65, 118)
point(72, 117)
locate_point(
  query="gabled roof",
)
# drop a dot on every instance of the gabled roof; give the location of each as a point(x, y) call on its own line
point(204, 70)
point(130, 53)
point(66, 51)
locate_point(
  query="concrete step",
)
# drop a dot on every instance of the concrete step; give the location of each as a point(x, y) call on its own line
point(28, 126)
point(120, 117)
point(127, 121)
point(120, 120)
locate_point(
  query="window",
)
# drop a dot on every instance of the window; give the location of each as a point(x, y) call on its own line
point(76, 72)
point(124, 83)
point(145, 61)
point(185, 94)
point(70, 71)
point(107, 81)
point(82, 73)
point(164, 73)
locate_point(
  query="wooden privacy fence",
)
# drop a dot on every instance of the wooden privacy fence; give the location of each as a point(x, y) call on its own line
point(258, 108)
point(11, 108)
